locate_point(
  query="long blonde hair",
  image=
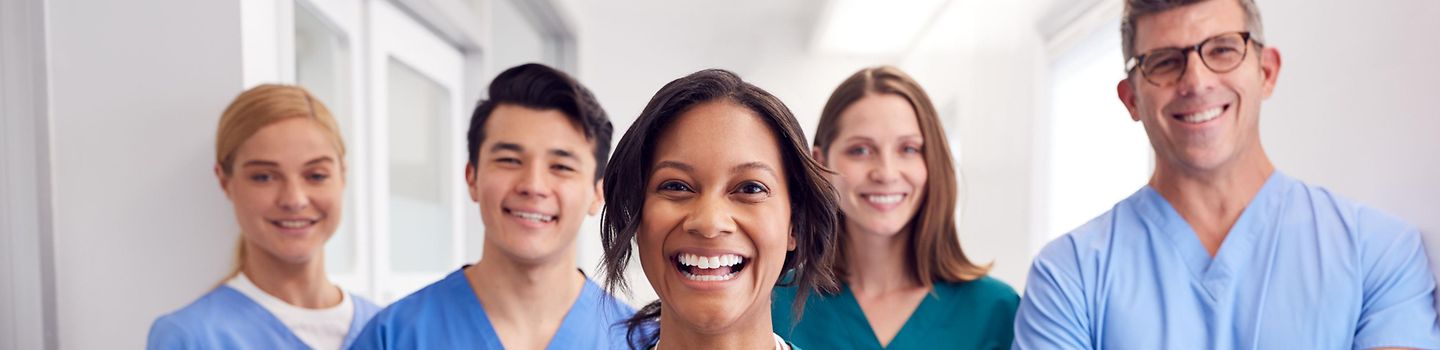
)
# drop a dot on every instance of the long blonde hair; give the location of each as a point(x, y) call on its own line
point(257, 108)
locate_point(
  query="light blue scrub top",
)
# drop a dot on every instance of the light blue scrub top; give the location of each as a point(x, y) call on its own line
point(447, 315)
point(1301, 269)
point(227, 319)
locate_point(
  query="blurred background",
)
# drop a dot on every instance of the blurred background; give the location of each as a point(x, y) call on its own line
point(112, 215)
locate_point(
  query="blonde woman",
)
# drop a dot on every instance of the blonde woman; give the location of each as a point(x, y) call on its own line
point(279, 159)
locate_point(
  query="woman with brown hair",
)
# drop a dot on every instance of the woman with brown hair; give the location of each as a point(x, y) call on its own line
point(713, 186)
point(280, 160)
point(906, 284)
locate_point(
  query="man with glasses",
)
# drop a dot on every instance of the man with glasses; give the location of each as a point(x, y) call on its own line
point(1220, 250)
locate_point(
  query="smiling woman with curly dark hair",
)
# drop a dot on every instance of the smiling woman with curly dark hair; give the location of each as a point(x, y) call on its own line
point(714, 190)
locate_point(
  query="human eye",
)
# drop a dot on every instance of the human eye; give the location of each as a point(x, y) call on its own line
point(674, 186)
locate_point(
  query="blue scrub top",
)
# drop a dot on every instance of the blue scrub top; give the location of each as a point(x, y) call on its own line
point(227, 319)
point(447, 315)
point(1301, 269)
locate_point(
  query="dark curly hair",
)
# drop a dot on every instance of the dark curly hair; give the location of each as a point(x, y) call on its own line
point(813, 221)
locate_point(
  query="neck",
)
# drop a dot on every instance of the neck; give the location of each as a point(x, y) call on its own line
point(752, 332)
point(1212, 201)
point(875, 262)
point(525, 293)
point(301, 284)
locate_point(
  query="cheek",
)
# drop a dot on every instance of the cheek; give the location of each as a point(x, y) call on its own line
point(328, 197)
point(849, 174)
point(491, 189)
point(657, 219)
point(773, 228)
point(916, 172)
point(1147, 98)
point(650, 238)
point(853, 168)
point(251, 202)
point(575, 196)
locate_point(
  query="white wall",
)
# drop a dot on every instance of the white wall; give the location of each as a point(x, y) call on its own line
point(982, 62)
point(1356, 107)
point(27, 303)
point(141, 227)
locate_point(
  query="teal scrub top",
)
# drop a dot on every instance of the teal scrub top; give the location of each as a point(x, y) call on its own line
point(978, 314)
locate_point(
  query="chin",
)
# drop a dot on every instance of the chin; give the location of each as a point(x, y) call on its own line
point(529, 250)
point(296, 255)
point(886, 228)
point(708, 319)
point(1205, 160)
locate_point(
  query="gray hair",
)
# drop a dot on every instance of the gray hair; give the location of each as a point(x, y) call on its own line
point(1134, 9)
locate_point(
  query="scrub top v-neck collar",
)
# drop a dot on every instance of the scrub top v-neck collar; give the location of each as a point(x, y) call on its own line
point(1217, 275)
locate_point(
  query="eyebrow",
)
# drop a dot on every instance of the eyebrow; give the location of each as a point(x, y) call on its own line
point(673, 165)
point(506, 146)
point(867, 138)
point(517, 148)
point(321, 159)
point(563, 153)
point(754, 166)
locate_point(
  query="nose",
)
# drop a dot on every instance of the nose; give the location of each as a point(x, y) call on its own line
point(293, 197)
point(533, 182)
point(883, 170)
point(709, 218)
point(1197, 79)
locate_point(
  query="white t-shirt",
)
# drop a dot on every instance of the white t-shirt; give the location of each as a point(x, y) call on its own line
point(319, 328)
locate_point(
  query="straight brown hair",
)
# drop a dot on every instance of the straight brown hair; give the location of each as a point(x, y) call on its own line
point(934, 242)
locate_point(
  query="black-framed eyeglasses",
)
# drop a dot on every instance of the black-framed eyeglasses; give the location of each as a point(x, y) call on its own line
point(1221, 53)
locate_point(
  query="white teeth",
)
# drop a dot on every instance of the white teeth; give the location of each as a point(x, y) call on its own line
point(710, 262)
point(708, 278)
point(1203, 116)
point(294, 223)
point(885, 199)
point(537, 217)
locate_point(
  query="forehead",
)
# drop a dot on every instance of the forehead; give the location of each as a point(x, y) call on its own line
point(536, 130)
point(290, 140)
point(717, 136)
point(878, 116)
point(1188, 25)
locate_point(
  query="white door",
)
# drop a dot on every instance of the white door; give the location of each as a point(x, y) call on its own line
point(417, 129)
point(322, 54)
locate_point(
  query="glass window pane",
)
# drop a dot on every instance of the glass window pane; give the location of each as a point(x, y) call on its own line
point(1098, 156)
point(420, 223)
point(322, 65)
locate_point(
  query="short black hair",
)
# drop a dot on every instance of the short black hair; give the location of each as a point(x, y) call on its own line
point(538, 86)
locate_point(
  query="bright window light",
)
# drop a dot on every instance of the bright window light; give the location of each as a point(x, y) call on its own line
point(861, 27)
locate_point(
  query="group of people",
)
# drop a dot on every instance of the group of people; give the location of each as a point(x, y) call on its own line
point(753, 239)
